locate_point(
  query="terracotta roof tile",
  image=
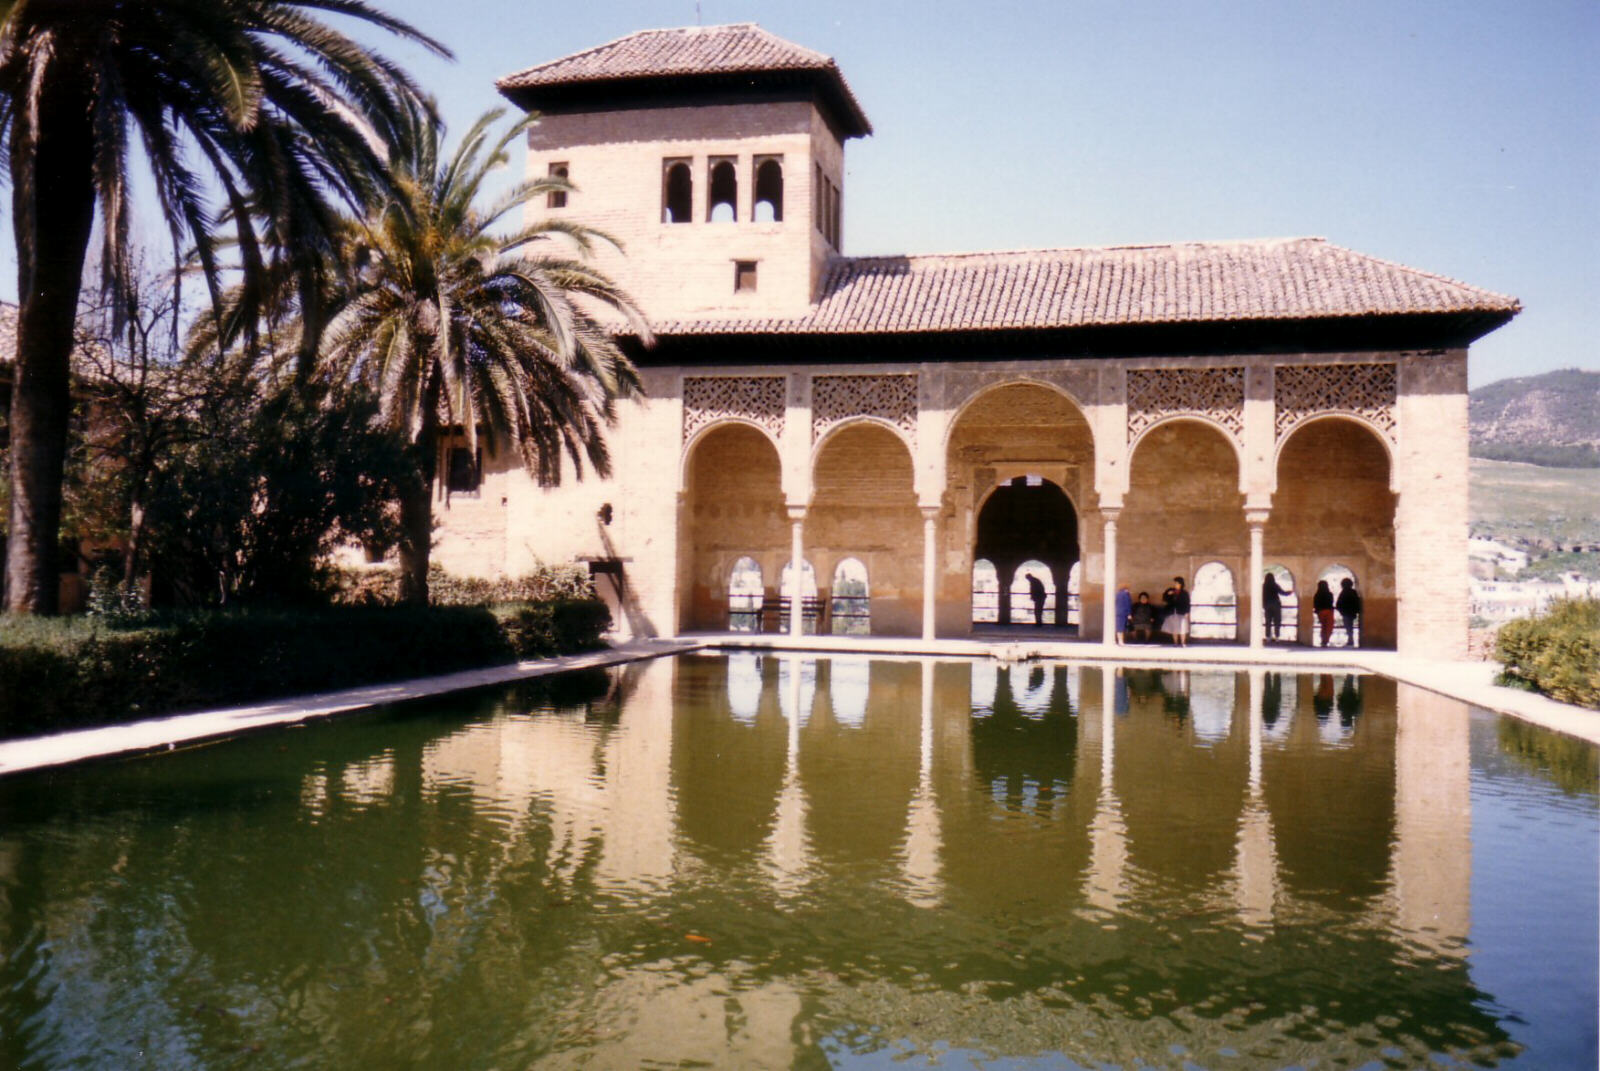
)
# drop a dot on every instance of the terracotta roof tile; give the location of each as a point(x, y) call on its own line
point(685, 52)
point(1193, 282)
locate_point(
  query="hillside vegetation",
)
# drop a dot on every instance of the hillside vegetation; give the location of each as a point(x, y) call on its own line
point(1529, 503)
point(1551, 419)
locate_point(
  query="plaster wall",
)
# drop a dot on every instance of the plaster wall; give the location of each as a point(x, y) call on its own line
point(680, 520)
point(686, 270)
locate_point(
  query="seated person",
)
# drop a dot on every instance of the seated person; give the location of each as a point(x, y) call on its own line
point(1142, 622)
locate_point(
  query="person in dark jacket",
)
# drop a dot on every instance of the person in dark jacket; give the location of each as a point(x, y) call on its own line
point(1176, 624)
point(1272, 605)
point(1036, 593)
point(1349, 607)
point(1322, 606)
point(1142, 619)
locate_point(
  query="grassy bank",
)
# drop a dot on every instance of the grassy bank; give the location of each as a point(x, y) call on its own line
point(65, 673)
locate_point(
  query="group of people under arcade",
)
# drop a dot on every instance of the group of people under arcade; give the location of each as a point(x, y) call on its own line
point(1142, 621)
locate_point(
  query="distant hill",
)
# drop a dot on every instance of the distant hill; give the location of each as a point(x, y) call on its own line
point(1552, 419)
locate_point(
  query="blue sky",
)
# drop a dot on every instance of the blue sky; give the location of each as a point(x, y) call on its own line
point(1461, 138)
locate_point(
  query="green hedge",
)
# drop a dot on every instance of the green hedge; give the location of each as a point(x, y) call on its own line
point(61, 673)
point(1557, 653)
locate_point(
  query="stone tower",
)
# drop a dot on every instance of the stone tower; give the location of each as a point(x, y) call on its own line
point(714, 155)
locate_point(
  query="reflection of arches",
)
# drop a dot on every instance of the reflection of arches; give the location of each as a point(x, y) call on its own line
point(849, 685)
point(1211, 698)
point(1215, 614)
point(745, 592)
point(1334, 503)
point(733, 509)
point(744, 686)
point(1028, 522)
point(850, 611)
point(985, 682)
point(796, 696)
point(1036, 689)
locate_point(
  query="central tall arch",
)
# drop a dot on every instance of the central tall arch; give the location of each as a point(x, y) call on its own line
point(1024, 451)
point(1028, 519)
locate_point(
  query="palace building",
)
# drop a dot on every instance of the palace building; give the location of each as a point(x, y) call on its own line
point(923, 433)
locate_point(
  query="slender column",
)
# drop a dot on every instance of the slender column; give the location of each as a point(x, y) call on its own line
point(797, 564)
point(1257, 520)
point(930, 559)
point(1109, 621)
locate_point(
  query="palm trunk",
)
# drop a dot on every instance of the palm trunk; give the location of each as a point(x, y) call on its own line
point(416, 505)
point(52, 236)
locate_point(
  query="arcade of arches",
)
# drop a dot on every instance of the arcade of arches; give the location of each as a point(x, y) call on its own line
point(989, 473)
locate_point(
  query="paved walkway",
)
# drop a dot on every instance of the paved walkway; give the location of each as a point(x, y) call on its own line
point(1470, 682)
point(168, 732)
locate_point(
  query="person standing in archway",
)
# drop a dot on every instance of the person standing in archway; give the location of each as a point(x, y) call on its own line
point(1124, 610)
point(1177, 623)
point(1272, 606)
point(1322, 606)
point(1349, 607)
point(1036, 593)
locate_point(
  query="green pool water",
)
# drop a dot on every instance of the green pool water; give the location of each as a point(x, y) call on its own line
point(772, 862)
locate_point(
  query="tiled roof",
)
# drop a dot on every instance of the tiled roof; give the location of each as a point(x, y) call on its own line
point(686, 52)
point(1192, 282)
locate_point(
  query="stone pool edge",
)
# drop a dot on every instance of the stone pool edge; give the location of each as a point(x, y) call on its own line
point(1469, 682)
point(169, 731)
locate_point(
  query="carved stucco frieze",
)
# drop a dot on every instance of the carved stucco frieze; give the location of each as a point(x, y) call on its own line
point(757, 399)
point(1367, 391)
point(1216, 394)
point(890, 398)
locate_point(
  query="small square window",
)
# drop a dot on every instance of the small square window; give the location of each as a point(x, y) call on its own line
point(744, 276)
point(557, 198)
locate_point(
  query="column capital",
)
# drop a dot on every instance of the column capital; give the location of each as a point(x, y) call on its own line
point(1110, 514)
point(931, 513)
point(1256, 518)
point(796, 513)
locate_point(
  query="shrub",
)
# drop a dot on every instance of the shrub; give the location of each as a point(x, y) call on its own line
point(543, 583)
point(69, 672)
point(1557, 653)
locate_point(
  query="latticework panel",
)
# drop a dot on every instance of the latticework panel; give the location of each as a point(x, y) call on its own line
point(708, 399)
point(1214, 393)
point(891, 398)
point(1303, 391)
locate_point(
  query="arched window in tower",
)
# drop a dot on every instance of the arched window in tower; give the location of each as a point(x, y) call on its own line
point(677, 192)
point(723, 196)
point(769, 190)
point(557, 198)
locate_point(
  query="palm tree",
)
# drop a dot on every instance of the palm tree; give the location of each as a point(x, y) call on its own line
point(259, 102)
point(452, 326)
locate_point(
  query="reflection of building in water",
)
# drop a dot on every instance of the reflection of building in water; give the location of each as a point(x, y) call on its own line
point(1256, 871)
point(920, 857)
point(1107, 881)
point(787, 853)
point(1431, 864)
point(607, 792)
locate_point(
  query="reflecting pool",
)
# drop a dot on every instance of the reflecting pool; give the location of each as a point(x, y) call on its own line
point(785, 861)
